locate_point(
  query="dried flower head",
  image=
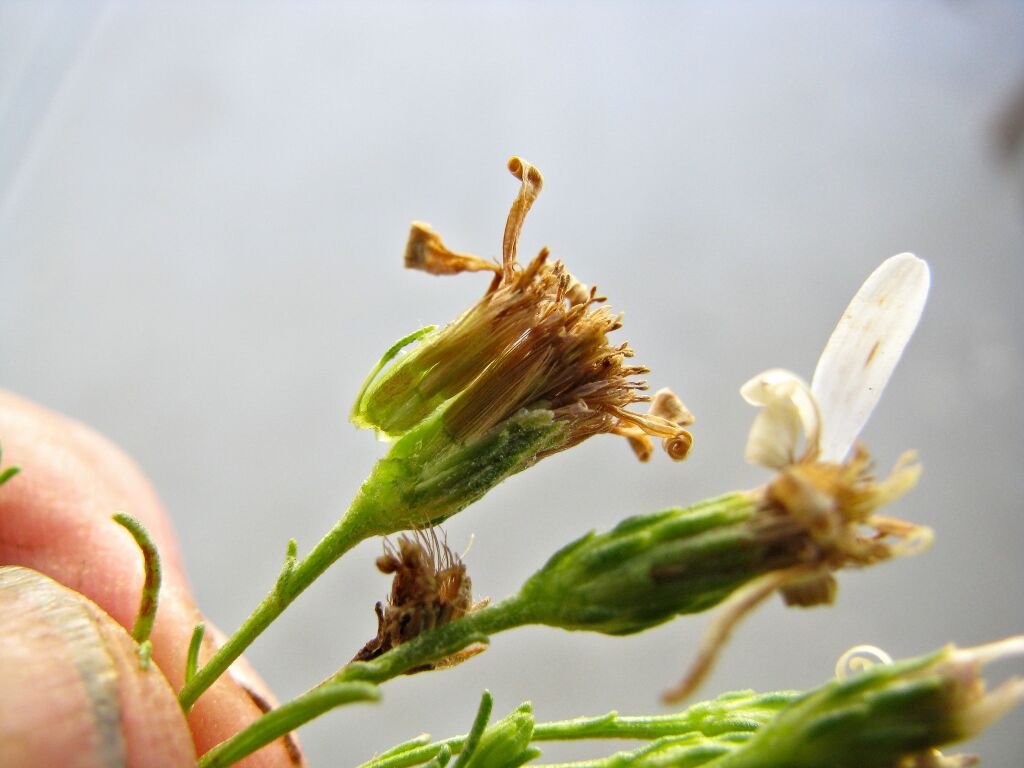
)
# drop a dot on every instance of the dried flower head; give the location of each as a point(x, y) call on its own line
point(430, 588)
point(538, 338)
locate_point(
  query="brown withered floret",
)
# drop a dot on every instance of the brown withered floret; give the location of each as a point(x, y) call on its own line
point(544, 336)
point(430, 588)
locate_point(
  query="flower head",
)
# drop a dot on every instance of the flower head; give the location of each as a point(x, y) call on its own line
point(526, 372)
point(819, 513)
point(538, 338)
point(808, 433)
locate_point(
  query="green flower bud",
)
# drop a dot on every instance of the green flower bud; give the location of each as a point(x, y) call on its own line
point(650, 568)
point(738, 549)
point(506, 743)
point(888, 715)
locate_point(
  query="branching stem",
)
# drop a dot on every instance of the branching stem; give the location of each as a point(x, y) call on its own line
point(294, 579)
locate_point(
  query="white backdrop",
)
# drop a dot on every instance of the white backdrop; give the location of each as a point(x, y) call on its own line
point(203, 209)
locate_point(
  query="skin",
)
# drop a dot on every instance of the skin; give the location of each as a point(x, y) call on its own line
point(55, 519)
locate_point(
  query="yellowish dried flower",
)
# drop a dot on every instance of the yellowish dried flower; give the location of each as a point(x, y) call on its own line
point(537, 339)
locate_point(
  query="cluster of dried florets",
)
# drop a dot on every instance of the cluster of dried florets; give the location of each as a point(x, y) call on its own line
point(536, 339)
point(430, 588)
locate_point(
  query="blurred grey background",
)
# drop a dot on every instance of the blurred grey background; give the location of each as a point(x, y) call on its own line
point(203, 208)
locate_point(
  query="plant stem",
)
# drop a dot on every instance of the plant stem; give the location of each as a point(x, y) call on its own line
point(732, 713)
point(349, 531)
point(192, 659)
point(475, 627)
point(151, 567)
point(426, 648)
point(285, 719)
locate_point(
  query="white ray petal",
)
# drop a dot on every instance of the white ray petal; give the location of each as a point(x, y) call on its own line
point(788, 412)
point(864, 349)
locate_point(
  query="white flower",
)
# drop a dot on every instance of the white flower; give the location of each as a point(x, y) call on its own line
point(849, 379)
point(823, 496)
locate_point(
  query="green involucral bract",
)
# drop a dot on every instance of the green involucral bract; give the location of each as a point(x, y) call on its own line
point(442, 364)
point(652, 567)
point(383, 404)
point(428, 476)
point(871, 719)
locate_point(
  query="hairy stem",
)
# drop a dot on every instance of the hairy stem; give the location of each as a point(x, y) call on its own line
point(349, 531)
point(151, 586)
point(428, 647)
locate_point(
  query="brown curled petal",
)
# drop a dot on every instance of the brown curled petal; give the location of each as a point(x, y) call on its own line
point(816, 589)
point(739, 604)
point(678, 447)
point(641, 445)
point(532, 182)
point(655, 426)
point(425, 251)
point(665, 404)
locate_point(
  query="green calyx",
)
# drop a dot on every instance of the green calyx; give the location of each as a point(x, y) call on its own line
point(428, 476)
point(652, 567)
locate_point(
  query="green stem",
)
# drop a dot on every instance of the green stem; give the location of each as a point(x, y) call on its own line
point(445, 640)
point(286, 719)
point(441, 759)
point(151, 586)
point(479, 725)
point(192, 660)
point(349, 531)
point(731, 713)
point(727, 714)
point(428, 647)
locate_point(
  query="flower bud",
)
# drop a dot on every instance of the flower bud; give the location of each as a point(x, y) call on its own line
point(888, 715)
point(650, 568)
point(506, 743)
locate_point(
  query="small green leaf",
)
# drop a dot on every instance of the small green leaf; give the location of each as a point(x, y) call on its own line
point(192, 660)
point(8, 473)
point(483, 714)
point(151, 586)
